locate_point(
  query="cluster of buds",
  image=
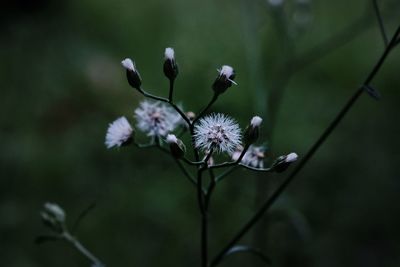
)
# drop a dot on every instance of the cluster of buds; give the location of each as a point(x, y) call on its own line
point(215, 133)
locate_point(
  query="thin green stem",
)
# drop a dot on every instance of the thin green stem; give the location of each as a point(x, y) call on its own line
point(186, 173)
point(162, 99)
point(225, 173)
point(194, 163)
point(256, 169)
point(213, 99)
point(171, 90)
point(210, 189)
point(380, 22)
point(231, 163)
point(84, 251)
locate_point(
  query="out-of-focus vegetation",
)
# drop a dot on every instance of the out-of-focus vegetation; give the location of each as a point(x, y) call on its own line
point(62, 83)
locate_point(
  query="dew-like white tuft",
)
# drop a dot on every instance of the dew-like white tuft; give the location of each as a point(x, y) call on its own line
point(169, 53)
point(226, 70)
point(118, 132)
point(291, 157)
point(171, 139)
point(217, 131)
point(128, 64)
point(254, 156)
point(256, 121)
point(156, 118)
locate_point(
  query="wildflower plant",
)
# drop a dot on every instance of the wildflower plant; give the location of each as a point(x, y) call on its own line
point(216, 133)
point(210, 134)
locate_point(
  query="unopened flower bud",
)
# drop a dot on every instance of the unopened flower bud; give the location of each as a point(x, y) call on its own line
point(53, 216)
point(191, 115)
point(224, 80)
point(170, 66)
point(176, 146)
point(55, 211)
point(252, 131)
point(283, 162)
point(132, 73)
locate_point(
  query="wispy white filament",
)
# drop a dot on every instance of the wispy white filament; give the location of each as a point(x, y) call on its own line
point(169, 53)
point(291, 157)
point(118, 132)
point(171, 138)
point(226, 70)
point(256, 121)
point(217, 132)
point(128, 64)
point(156, 118)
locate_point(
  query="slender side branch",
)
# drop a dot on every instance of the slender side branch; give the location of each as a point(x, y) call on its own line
point(186, 173)
point(84, 251)
point(231, 163)
point(171, 90)
point(271, 200)
point(256, 169)
point(210, 189)
point(380, 22)
point(162, 99)
point(213, 99)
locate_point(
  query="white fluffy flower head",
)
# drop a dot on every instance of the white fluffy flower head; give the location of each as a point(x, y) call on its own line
point(156, 118)
point(128, 64)
point(119, 132)
point(254, 156)
point(169, 53)
point(291, 157)
point(256, 121)
point(217, 131)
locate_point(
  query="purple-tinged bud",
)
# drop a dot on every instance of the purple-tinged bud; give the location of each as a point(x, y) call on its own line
point(176, 146)
point(283, 162)
point(252, 131)
point(132, 73)
point(224, 79)
point(170, 66)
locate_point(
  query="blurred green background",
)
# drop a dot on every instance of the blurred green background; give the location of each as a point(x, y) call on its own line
point(62, 83)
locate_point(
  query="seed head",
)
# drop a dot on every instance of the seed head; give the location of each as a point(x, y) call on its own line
point(254, 156)
point(217, 132)
point(156, 118)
